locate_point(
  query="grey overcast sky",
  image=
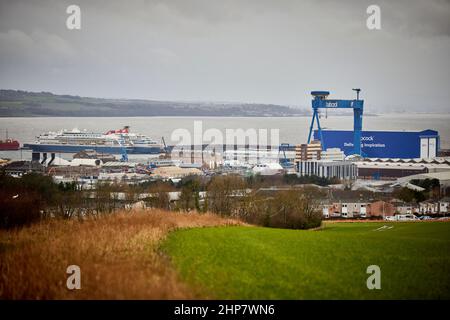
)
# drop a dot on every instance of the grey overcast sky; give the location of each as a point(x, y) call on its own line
point(266, 51)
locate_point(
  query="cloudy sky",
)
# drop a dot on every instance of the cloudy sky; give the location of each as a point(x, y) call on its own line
point(266, 51)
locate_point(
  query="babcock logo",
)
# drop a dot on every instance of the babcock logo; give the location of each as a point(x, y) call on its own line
point(369, 138)
point(331, 104)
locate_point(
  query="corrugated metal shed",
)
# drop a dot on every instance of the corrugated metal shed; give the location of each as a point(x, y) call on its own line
point(85, 162)
point(443, 177)
point(119, 164)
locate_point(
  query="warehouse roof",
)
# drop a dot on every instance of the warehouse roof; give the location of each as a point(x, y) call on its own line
point(438, 160)
point(382, 165)
point(58, 161)
point(174, 172)
point(119, 164)
point(443, 177)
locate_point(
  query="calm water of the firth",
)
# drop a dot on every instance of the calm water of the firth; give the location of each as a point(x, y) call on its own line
point(292, 130)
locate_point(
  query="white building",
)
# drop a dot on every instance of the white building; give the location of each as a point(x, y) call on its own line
point(407, 209)
point(327, 169)
point(267, 169)
point(252, 156)
point(428, 207)
point(444, 206)
point(352, 209)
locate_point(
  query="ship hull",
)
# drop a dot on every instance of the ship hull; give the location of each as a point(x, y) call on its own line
point(6, 147)
point(98, 148)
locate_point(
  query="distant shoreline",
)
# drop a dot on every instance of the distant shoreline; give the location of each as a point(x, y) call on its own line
point(17, 103)
point(24, 104)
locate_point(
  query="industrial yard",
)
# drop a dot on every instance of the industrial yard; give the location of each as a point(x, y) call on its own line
point(357, 178)
point(192, 225)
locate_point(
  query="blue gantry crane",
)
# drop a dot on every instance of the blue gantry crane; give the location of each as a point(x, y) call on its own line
point(285, 162)
point(321, 101)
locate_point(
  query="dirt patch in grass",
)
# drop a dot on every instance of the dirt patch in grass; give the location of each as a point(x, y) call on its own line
point(118, 256)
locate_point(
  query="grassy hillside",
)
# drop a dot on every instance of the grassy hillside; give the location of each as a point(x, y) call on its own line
point(118, 256)
point(262, 263)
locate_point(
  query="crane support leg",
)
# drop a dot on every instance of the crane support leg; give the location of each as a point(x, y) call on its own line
point(312, 125)
point(357, 129)
point(315, 117)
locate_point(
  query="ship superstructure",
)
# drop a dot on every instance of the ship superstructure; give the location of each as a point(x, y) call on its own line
point(113, 141)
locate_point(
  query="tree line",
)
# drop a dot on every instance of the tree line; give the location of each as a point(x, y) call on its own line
point(33, 197)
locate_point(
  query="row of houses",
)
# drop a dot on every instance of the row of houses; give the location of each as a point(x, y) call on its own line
point(426, 207)
point(380, 208)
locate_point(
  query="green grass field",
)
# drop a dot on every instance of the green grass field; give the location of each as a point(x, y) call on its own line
point(265, 263)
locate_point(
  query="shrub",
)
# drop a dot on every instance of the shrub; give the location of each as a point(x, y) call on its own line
point(225, 194)
point(189, 197)
point(17, 210)
point(21, 200)
point(291, 209)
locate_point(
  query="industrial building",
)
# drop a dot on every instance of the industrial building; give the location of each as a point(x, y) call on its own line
point(384, 144)
point(376, 170)
point(326, 149)
point(327, 169)
point(311, 160)
point(19, 168)
point(443, 177)
point(92, 154)
point(175, 172)
point(391, 169)
point(308, 151)
point(332, 154)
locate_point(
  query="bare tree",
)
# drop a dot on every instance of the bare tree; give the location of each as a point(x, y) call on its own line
point(225, 193)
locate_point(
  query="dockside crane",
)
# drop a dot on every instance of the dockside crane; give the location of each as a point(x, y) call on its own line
point(284, 162)
point(123, 149)
point(321, 101)
point(166, 151)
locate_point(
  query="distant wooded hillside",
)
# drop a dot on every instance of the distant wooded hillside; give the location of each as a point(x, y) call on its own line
point(17, 103)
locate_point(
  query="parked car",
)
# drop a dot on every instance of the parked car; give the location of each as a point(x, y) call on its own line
point(406, 217)
point(426, 218)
